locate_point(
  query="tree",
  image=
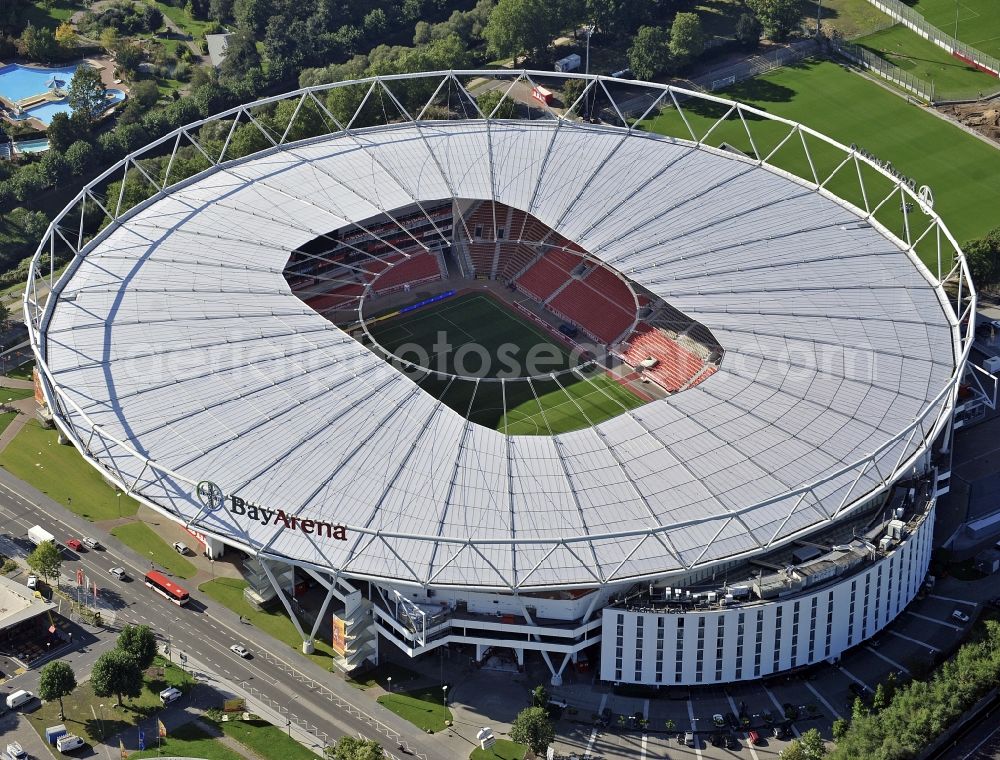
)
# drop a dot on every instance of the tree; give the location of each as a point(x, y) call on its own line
point(128, 58)
point(533, 727)
point(687, 40)
point(839, 729)
point(80, 157)
point(539, 696)
point(748, 31)
point(45, 560)
point(518, 27)
point(38, 43)
point(812, 744)
point(152, 17)
point(86, 94)
point(778, 17)
point(349, 748)
point(139, 642)
point(983, 257)
point(116, 674)
point(241, 54)
point(57, 680)
point(109, 39)
point(252, 15)
point(61, 132)
point(66, 35)
point(650, 52)
point(572, 89)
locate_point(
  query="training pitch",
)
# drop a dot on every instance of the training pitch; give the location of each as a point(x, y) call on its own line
point(493, 349)
point(959, 168)
point(978, 22)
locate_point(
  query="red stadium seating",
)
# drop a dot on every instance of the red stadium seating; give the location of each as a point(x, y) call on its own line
point(423, 267)
point(604, 319)
point(677, 366)
point(343, 296)
point(548, 274)
point(481, 255)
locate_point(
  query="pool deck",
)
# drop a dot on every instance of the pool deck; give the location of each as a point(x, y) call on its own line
point(105, 64)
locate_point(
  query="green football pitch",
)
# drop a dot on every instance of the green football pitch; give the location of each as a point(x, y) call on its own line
point(951, 78)
point(474, 336)
point(978, 21)
point(961, 170)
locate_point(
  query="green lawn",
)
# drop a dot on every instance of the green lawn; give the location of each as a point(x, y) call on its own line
point(424, 708)
point(23, 372)
point(36, 457)
point(50, 15)
point(86, 718)
point(5, 419)
point(229, 593)
point(505, 345)
point(849, 17)
point(266, 740)
point(145, 541)
point(952, 79)
point(504, 749)
point(189, 740)
point(379, 677)
point(15, 394)
point(978, 21)
point(960, 169)
point(190, 26)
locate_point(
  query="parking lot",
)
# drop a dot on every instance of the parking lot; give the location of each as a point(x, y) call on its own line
point(648, 725)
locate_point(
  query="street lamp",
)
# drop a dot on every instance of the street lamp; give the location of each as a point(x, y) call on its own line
point(390, 684)
point(589, 30)
point(444, 696)
point(119, 495)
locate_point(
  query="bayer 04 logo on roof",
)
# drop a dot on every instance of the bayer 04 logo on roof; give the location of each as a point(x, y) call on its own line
point(210, 495)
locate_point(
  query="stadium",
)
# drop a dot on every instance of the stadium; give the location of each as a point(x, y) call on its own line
point(520, 381)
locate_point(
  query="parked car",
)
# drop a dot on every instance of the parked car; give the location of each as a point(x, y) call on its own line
point(732, 720)
point(180, 547)
point(92, 543)
point(689, 738)
point(960, 616)
point(68, 742)
point(119, 573)
point(74, 543)
point(623, 74)
point(782, 731)
point(32, 581)
point(241, 650)
point(732, 742)
point(170, 695)
point(16, 751)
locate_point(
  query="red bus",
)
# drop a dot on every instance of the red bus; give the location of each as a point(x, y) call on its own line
point(163, 586)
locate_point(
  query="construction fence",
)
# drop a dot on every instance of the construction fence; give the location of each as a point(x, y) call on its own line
point(865, 58)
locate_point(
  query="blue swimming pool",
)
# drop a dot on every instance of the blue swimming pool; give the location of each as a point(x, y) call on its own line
point(18, 82)
point(31, 146)
point(46, 111)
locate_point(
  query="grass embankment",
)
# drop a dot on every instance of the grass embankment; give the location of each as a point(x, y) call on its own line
point(504, 749)
point(229, 593)
point(36, 457)
point(148, 544)
point(265, 740)
point(424, 708)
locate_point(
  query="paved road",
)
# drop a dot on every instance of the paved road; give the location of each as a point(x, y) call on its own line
point(311, 696)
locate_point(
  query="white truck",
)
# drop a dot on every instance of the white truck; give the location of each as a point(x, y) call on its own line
point(38, 535)
point(569, 63)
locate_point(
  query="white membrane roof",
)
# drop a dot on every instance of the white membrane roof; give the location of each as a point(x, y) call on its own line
point(178, 334)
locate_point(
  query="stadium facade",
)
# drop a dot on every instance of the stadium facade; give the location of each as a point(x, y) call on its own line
point(766, 504)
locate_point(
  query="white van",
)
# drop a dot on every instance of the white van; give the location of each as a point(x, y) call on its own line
point(19, 698)
point(68, 742)
point(170, 695)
